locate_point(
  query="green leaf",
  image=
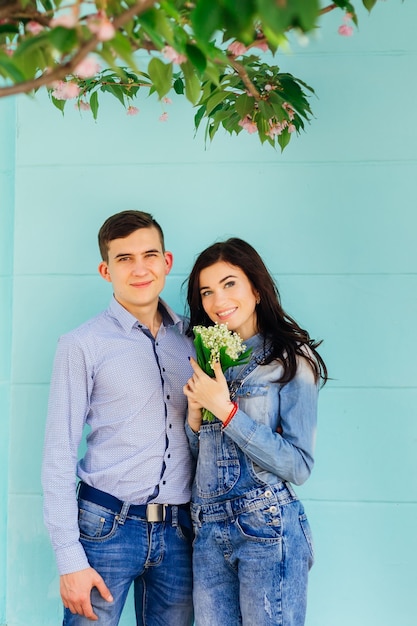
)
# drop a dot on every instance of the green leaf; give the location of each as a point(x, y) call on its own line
point(206, 18)
point(161, 76)
point(203, 354)
point(266, 109)
point(279, 17)
point(116, 91)
point(244, 105)
point(9, 28)
point(28, 45)
point(179, 86)
point(123, 49)
point(149, 24)
point(197, 58)
point(59, 104)
point(192, 83)
point(94, 104)
point(215, 99)
point(213, 74)
point(199, 116)
point(63, 39)
point(369, 4)
point(284, 139)
point(10, 69)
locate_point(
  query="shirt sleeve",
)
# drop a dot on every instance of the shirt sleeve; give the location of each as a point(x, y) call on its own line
point(289, 455)
point(67, 410)
point(193, 440)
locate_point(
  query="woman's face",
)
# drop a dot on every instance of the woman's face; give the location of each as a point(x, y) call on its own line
point(228, 298)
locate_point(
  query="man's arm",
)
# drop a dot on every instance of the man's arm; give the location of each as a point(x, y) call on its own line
point(68, 406)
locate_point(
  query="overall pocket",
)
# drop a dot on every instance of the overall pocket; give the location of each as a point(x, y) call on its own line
point(218, 466)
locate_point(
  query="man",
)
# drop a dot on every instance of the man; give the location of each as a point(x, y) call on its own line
point(122, 374)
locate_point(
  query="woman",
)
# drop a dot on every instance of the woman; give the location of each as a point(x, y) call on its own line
point(253, 546)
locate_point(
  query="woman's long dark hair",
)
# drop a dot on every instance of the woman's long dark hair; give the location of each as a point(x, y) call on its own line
point(288, 339)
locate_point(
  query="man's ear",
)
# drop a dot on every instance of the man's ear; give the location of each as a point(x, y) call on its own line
point(103, 270)
point(169, 260)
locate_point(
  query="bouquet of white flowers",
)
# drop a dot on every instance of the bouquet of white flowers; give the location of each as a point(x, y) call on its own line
point(217, 343)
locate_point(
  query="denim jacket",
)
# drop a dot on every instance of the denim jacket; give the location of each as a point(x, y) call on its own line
point(264, 405)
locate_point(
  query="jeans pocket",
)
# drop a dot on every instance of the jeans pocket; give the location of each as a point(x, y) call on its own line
point(96, 525)
point(305, 526)
point(263, 526)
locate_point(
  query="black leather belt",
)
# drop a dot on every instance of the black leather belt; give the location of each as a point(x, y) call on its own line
point(152, 512)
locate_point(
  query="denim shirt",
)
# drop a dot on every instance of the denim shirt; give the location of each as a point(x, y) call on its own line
point(264, 405)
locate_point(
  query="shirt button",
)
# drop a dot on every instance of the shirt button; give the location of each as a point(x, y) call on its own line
point(170, 425)
point(268, 493)
point(169, 456)
point(273, 509)
point(164, 482)
point(168, 397)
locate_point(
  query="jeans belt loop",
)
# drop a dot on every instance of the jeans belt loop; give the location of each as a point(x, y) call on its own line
point(121, 518)
point(156, 512)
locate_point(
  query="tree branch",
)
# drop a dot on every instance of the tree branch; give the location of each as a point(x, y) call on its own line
point(89, 46)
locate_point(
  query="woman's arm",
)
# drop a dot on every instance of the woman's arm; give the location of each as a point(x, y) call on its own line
point(289, 455)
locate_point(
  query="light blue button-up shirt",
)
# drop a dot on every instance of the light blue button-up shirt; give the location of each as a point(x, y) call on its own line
point(112, 376)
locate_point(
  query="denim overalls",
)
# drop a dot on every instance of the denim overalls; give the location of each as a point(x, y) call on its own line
point(253, 547)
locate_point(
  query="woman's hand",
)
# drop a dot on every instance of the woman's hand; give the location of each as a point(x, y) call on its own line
point(210, 393)
point(195, 416)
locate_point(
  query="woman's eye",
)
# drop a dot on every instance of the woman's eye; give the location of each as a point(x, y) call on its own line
point(230, 283)
point(204, 294)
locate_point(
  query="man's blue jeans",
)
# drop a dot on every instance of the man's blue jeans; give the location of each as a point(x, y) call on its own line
point(155, 557)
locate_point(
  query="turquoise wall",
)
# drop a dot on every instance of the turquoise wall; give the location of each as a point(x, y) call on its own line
point(334, 218)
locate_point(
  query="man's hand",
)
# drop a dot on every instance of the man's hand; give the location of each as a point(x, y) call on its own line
point(76, 591)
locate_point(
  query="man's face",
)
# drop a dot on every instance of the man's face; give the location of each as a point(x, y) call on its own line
point(137, 268)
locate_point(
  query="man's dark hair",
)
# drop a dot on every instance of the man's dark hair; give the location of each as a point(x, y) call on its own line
point(122, 225)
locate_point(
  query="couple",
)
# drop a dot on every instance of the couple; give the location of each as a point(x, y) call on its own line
point(129, 374)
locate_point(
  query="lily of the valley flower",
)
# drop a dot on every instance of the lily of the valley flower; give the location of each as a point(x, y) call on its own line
point(218, 344)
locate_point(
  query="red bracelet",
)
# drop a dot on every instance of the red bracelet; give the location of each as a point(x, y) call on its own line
point(231, 414)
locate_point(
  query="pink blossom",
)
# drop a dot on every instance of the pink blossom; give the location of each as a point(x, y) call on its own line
point(237, 48)
point(248, 125)
point(69, 20)
point(164, 117)
point(9, 51)
point(86, 68)
point(345, 30)
point(290, 111)
point(174, 56)
point(268, 87)
point(276, 128)
point(262, 45)
point(132, 111)
point(82, 105)
point(167, 100)
point(101, 26)
point(291, 128)
point(65, 90)
point(34, 28)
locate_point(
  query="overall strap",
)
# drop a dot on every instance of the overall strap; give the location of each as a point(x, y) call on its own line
point(257, 357)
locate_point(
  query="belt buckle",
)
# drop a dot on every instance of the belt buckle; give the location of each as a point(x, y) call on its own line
point(155, 512)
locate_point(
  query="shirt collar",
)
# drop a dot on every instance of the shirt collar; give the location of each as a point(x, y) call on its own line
point(128, 321)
